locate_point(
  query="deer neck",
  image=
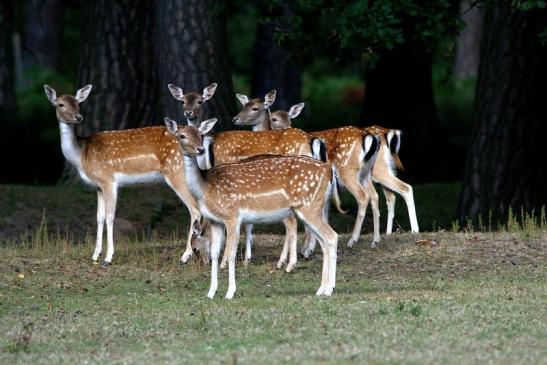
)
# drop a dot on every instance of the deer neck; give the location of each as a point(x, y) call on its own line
point(263, 124)
point(70, 146)
point(194, 178)
point(195, 122)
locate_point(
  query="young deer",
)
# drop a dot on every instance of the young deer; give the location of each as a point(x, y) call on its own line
point(108, 160)
point(264, 189)
point(192, 102)
point(384, 171)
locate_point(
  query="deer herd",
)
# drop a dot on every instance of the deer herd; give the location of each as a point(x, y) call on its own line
point(269, 174)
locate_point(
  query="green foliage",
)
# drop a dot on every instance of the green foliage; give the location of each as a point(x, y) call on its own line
point(361, 30)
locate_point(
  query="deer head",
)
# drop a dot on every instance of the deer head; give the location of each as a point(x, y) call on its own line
point(67, 106)
point(254, 111)
point(282, 120)
point(190, 138)
point(192, 102)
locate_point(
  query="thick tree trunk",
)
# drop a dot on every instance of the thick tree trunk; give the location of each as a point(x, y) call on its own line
point(7, 94)
point(191, 45)
point(469, 40)
point(43, 33)
point(399, 94)
point(272, 68)
point(118, 59)
point(504, 166)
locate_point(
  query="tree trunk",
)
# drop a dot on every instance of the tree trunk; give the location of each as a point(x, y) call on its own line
point(399, 94)
point(469, 40)
point(272, 68)
point(504, 166)
point(7, 93)
point(43, 33)
point(191, 45)
point(118, 59)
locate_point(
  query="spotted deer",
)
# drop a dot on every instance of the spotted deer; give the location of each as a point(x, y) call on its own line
point(383, 172)
point(109, 160)
point(265, 189)
point(192, 102)
point(235, 146)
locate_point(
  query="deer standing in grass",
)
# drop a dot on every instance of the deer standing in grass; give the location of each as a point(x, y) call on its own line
point(265, 189)
point(109, 160)
point(383, 172)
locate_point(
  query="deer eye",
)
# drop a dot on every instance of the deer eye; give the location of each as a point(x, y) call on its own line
point(274, 119)
point(199, 102)
point(61, 105)
point(255, 109)
point(182, 136)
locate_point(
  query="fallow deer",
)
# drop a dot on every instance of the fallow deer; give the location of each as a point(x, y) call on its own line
point(383, 172)
point(108, 160)
point(234, 146)
point(192, 102)
point(344, 151)
point(261, 190)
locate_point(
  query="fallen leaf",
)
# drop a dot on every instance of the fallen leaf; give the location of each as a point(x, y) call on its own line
point(21, 276)
point(426, 243)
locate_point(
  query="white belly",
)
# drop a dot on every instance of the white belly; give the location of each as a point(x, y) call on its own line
point(132, 179)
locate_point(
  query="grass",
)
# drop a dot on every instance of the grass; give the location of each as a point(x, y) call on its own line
point(476, 297)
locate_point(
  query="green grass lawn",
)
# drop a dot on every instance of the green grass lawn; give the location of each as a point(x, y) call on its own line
point(474, 298)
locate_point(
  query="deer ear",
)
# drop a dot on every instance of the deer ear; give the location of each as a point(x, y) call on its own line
point(171, 125)
point(206, 126)
point(83, 93)
point(209, 91)
point(51, 94)
point(269, 99)
point(176, 91)
point(243, 99)
point(295, 110)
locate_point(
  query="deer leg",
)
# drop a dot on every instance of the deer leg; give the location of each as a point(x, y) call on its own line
point(248, 243)
point(232, 240)
point(217, 235)
point(393, 183)
point(356, 189)
point(177, 183)
point(390, 202)
point(100, 225)
point(289, 246)
point(328, 239)
point(110, 195)
point(310, 240)
point(371, 192)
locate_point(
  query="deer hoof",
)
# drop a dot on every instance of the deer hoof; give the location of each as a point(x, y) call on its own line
point(352, 242)
point(374, 244)
point(290, 267)
point(105, 264)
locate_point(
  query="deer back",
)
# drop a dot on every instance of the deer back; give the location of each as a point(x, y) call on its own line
point(234, 146)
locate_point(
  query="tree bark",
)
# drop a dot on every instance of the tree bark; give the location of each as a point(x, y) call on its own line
point(272, 67)
point(191, 45)
point(7, 93)
point(469, 40)
point(504, 167)
point(399, 94)
point(118, 60)
point(43, 34)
